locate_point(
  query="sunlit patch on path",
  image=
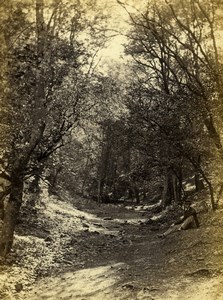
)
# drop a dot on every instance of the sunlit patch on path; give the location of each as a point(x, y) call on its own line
point(82, 284)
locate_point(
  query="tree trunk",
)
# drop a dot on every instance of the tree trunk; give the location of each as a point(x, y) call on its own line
point(34, 185)
point(136, 192)
point(180, 184)
point(211, 191)
point(198, 182)
point(210, 187)
point(199, 170)
point(167, 189)
point(175, 189)
point(86, 174)
point(100, 187)
point(3, 195)
point(220, 193)
point(1, 206)
point(53, 178)
point(11, 213)
point(209, 123)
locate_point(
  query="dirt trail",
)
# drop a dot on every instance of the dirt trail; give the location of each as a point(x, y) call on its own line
point(110, 252)
point(83, 284)
point(126, 261)
point(102, 283)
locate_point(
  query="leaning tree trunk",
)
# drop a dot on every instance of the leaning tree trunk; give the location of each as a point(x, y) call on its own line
point(11, 213)
point(199, 169)
point(12, 207)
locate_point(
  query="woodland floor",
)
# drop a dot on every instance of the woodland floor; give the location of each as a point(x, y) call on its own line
point(104, 252)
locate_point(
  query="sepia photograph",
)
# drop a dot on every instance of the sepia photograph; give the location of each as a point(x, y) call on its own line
point(111, 149)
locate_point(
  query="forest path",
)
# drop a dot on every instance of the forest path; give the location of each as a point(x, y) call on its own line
point(101, 283)
point(119, 257)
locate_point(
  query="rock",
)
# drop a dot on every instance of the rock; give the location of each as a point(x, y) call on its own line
point(112, 235)
point(18, 287)
point(72, 241)
point(154, 228)
point(62, 235)
point(218, 252)
point(172, 260)
point(200, 258)
point(85, 225)
point(125, 241)
point(68, 263)
point(107, 218)
point(97, 225)
point(149, 222)
point(201, 272)
point(150, 289)
point(48, 239)
point(128, 286)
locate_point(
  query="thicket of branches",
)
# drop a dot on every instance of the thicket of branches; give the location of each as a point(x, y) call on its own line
point(177, 98)
point(171, 130)
point(48, 58)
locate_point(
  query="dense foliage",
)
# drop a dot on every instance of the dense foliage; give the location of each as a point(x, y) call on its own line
point(142, 135)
